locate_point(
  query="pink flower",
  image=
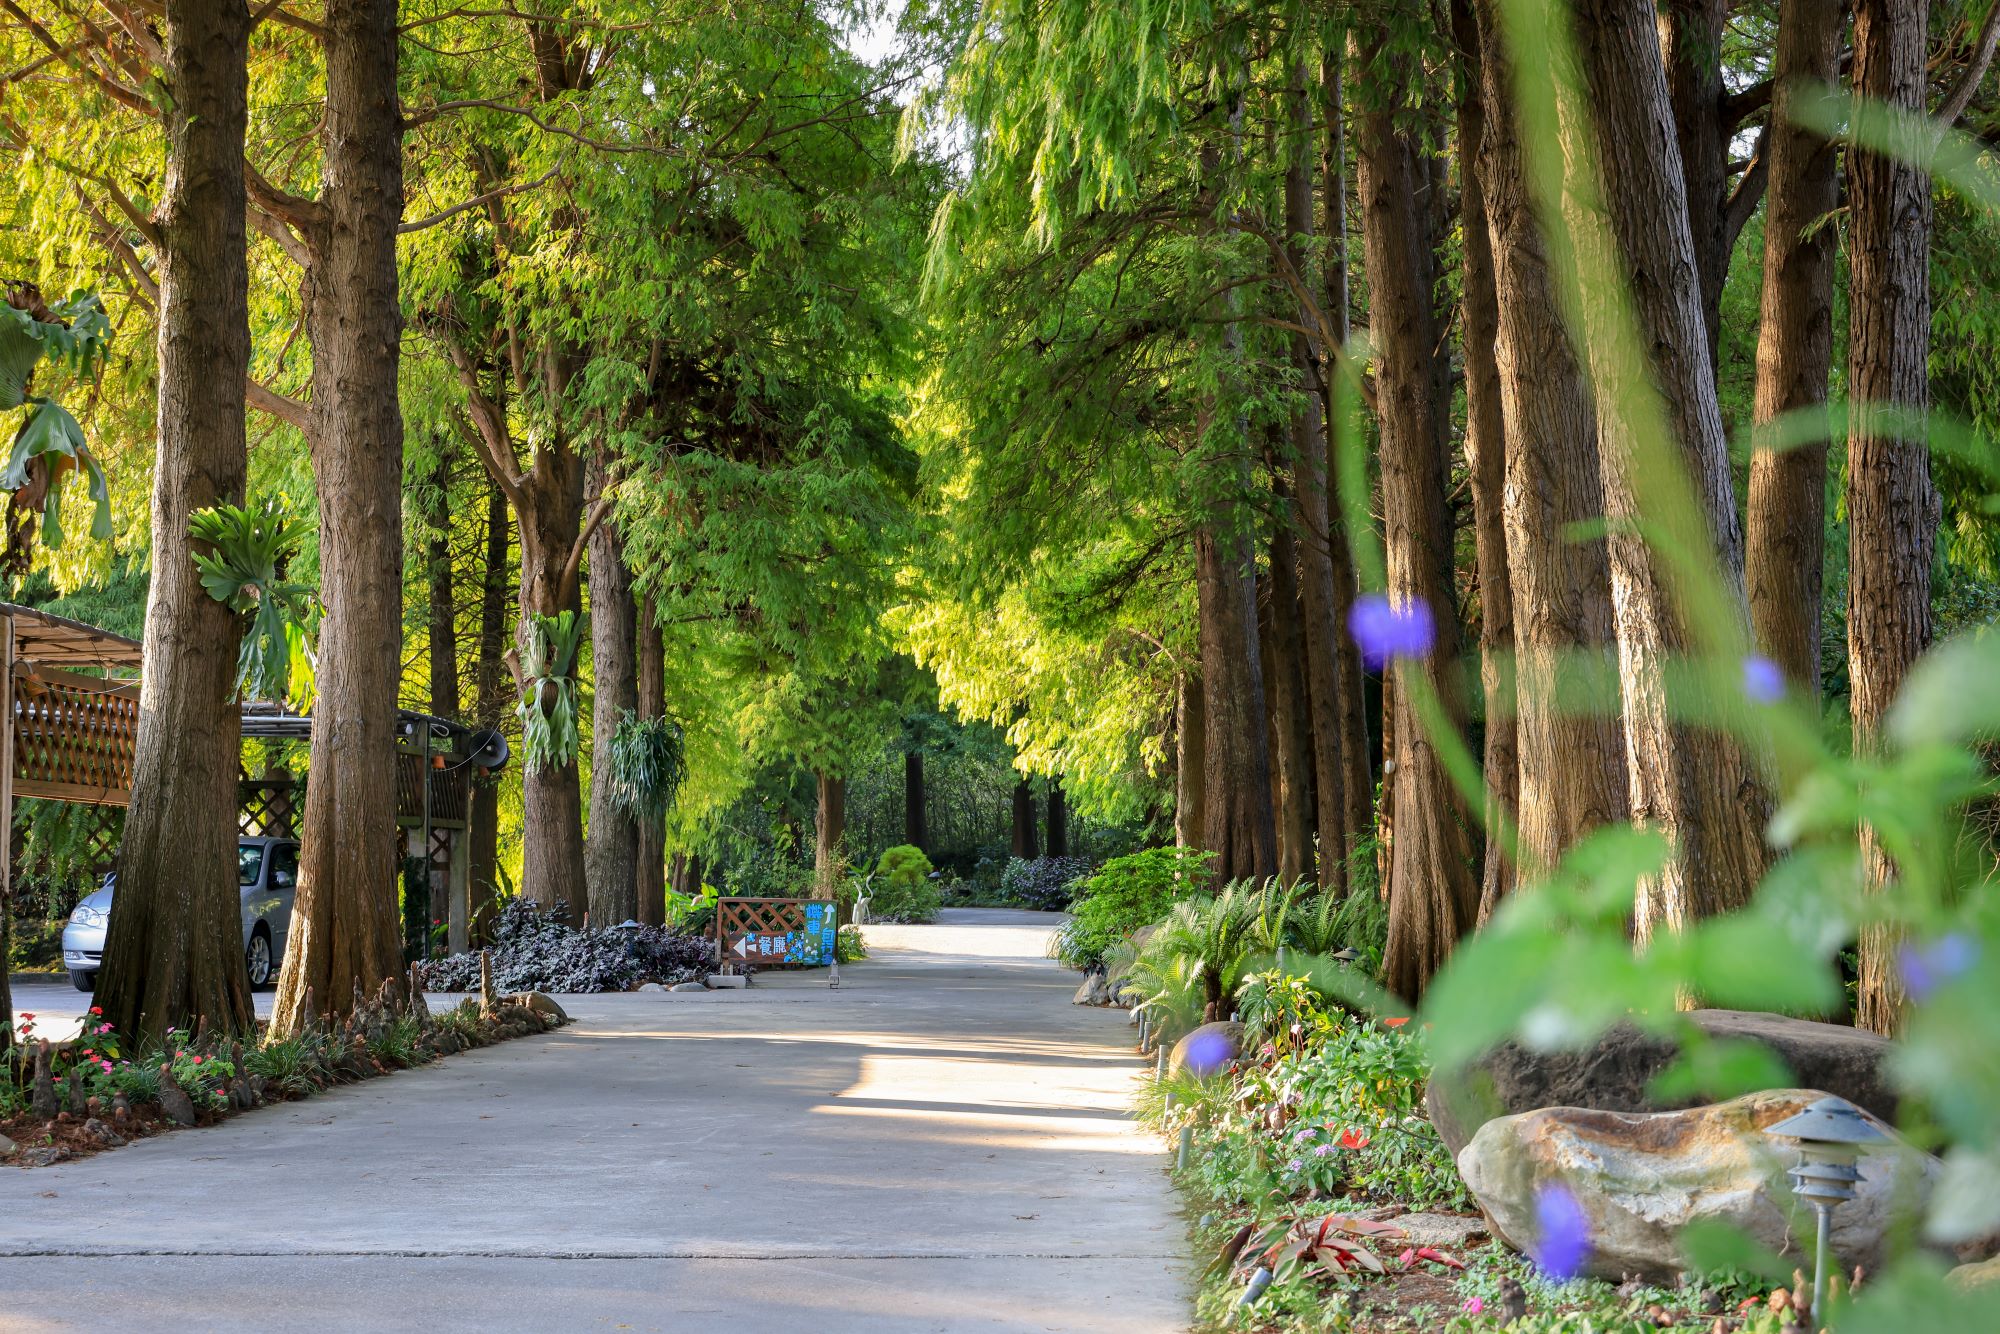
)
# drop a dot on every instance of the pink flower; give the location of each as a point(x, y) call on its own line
point(106, 1065)
point(103, 1028)
point(197, 1060)
point(1473, 1306)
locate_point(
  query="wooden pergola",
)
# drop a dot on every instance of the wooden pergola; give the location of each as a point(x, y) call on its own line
point(72, 736)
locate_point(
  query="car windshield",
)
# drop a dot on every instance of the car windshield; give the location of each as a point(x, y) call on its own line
point(249, 861)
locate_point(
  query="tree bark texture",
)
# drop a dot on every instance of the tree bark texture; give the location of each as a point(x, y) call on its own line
point(829, 836)
point(611, 852)
point(1694, 785)
point(1891, 504)
point(552, 862)
point(916, 831)
point(650, 876)
point(491, 701)
point(1025, 843)
point(1311, 520)
point(345, 929)
point(1281, 642)
point(1486, 467)
point(1433, 895)
point(1238, 825)
point(1357, 753)
point(1570, 742)
point(1785, 557)
point(174, 955)
point(442, 623)
point(1690, 34)
point(1191, 763)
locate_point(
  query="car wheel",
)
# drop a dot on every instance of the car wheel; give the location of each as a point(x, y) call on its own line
point(257, 956)
point(82, 981)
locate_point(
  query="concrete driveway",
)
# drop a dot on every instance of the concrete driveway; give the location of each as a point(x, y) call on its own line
point(941, 1144)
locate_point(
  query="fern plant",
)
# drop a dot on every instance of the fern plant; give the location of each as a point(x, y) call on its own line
point(548, 708)
point(250, 548)
point(648, 762)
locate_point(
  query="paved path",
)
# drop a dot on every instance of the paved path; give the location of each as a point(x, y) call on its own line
point(939, 1145)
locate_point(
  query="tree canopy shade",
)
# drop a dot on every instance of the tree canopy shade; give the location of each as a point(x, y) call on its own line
point(1316, 430)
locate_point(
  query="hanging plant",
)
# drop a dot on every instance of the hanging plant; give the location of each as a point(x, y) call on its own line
point(648, 762)
point(244, 570)
point(48, 445)
point(548, 711)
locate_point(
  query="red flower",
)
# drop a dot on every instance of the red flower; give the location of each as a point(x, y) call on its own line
point(96, 1009)
point(1351, 1138)
point(26, 1015)
point(1396, 1023)
point(197, 1060)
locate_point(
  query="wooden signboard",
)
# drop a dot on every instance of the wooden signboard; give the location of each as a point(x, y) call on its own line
point(776, 933)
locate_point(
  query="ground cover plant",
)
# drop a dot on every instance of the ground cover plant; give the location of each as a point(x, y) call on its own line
point(97, 1091)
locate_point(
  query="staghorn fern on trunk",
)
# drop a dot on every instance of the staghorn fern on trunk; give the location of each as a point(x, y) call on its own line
point(244, 570)
point(548, 708)
point(648, 761)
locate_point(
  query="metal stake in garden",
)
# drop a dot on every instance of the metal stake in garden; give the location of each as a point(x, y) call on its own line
point(1831, 1134)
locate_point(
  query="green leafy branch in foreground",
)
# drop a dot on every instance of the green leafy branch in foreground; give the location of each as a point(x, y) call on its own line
point(251, 548)
point(49, 443)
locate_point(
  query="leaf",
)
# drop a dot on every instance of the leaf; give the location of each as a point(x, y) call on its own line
point(1948, 695)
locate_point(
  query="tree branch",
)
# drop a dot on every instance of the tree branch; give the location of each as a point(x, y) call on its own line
point(607, 496)
point(1976, 66)
point(477, 200)
point(1749, 190)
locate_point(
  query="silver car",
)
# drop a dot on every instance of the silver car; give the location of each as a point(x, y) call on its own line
point(267, 873)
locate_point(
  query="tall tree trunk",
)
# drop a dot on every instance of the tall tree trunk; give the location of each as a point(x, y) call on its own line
point(1319, 622)
point(1239, 827)
point(611, 855)
point(1191, 763)
point(1690, 36)
point(650, 877)
point(1785, 561)
point(173, 954)
point(1891, 504)
point(491, 698)
point(345, 928)
point(1357, 754)
point(442, 628)
point(1571, 757)
point(552, 861)
point(1280, 640)
point(1433, 895)
point(1024, 843)
point(1695, 786)
point(916, 829)
point(830, 836)
point(1058, 840)
point(1486, 446)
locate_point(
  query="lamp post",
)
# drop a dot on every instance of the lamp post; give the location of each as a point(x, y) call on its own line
point(1831, 1134)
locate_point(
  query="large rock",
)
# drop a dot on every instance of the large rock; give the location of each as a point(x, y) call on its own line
point(1210, 1047)
point(1092, 991)
point(540, 1002)
point(1642, 1177)
point(1612, 1074)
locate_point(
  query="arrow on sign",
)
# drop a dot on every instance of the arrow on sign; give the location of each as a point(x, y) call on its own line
point(743, 947)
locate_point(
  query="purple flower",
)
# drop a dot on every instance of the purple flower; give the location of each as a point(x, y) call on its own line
point(1763, 680)
point(1384, 633)
point(1323, 1151)
point(1303, 1134)
point(1562, 1238)
point(1209, 1051)
point(1297, 1164)
point(1925, 968)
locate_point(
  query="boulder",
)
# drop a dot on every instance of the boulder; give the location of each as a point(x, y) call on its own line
point(540, 1002)
point(1211, 1046)
point(1969, 1278)
point(687, 987)
point(1612, 1074)
point(102, 1133)
point(1447, 1232)
point(1092, 992)
point(44, 1156)
point(650, 986)
point(7, 1146)
point(1642, 1177)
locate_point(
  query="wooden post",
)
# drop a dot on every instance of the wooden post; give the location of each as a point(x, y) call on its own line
point(458, 934)
point(6, 826)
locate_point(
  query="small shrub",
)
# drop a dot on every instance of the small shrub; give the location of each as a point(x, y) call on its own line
point(1044, 884)
point(901, 889)
point(1124, 894)
point(848, 945)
